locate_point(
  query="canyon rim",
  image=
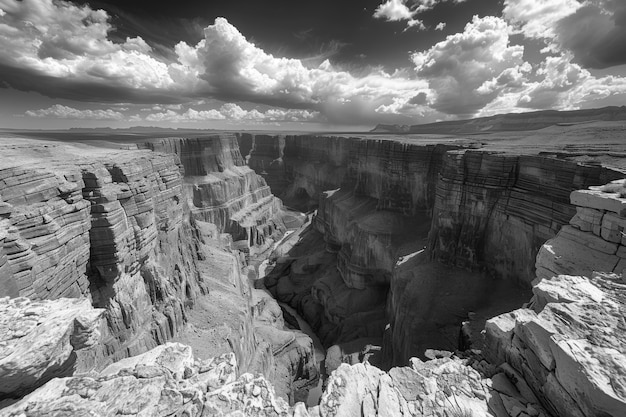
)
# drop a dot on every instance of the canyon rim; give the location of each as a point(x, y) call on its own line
point(373, 208)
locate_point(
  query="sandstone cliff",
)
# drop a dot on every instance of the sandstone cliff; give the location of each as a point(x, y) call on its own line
point(409, 240)
point(568, 345)
point(131, 234)
point(391, 212)
point(95, 225)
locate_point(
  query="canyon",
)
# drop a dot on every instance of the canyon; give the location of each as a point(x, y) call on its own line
point(248, 272)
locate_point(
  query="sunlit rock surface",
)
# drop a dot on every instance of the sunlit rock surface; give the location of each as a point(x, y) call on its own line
point(569, 345)
point(92, 222)
point(127, 232)
point(223, 190)
point(40, 340)
point(165, 381)
point(366, 274)
point(227, 198)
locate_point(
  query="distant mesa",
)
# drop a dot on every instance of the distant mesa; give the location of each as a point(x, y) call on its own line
point(511, 122)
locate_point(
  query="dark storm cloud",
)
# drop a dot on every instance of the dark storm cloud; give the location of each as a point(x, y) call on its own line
point(25, 79)
point(596, 34)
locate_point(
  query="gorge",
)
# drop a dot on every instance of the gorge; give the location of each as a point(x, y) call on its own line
point(393, 249)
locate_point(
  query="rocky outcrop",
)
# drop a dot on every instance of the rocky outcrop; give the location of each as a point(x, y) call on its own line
point(443, 386)
point(44, 339)
point(593, 240)
point(568, 345)
point(165, 381)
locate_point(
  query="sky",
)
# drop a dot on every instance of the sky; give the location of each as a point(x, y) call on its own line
point(296, 65)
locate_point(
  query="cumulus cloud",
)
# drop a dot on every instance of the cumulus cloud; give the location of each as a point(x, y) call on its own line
point(235, 69)
point(393, 11)
point(538, 18)
point(61, 40)
point(480, 72)
point(565, 84)
point(62, 50)
point(234, 112)
point(59, 111)
point(398, 10)
point(468, 70)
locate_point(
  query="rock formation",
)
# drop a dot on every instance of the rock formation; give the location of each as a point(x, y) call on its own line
point(391, 212)
point(511, 122)
point(128, 233)
point(44, 339)
point(569, 345)
point(105, 255)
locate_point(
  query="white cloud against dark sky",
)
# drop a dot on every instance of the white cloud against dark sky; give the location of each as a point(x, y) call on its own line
point(357, 64)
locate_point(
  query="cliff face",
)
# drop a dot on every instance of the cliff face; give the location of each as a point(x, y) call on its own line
point(384, 262)
point(494, 211)
point(568, 345)
point(224, 191)
point(79, 228)
point(128, 232)
point(394, 212)
point(229, 201)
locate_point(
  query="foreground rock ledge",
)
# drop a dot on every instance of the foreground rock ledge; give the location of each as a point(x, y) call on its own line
point(43, 339)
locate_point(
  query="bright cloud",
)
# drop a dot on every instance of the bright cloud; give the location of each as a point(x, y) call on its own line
point(565, 84)
point(467, 70)
point(397, 10)
point(63, 50)
point(60, 40)
point(538, 18)
point(59, 111)
point(234, 112)
point(479, 72)
point(393, 11)
point(235, 69)
point(593, 30)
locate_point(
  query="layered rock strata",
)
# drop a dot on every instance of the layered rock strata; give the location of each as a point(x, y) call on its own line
point(238, 205)
point(116, 230)
point(495, 210)
point(224, 191)
point(74, 227)
point(392, 212)
point(569, 344)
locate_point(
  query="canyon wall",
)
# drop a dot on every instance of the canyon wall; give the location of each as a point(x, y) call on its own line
point(74, 227)
point(224, 191)
point(409, 239)
point(142, 236)
point(395, 213)
point(568, 344)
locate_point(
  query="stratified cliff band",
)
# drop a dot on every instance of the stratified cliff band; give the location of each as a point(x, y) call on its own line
point(407, 250)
